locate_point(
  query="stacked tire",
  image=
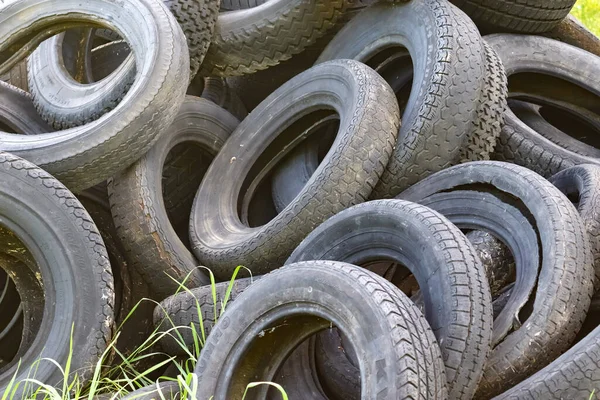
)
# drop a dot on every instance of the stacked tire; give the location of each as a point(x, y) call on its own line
point(411, 189)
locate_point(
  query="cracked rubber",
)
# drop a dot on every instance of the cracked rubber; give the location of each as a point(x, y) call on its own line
point(582, 184)
point(564, 286)
point(525, 16)
point(369, 120)
point(53, 223)
point(458, 305)
point(247, 41)
point(84, 156)
point(443, 121)
point(151, 200)
point(573, 80)
point(398, 347)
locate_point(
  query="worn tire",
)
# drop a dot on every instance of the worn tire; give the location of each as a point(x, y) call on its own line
point(84, 156)
point(565, 281)
point(398, 347)
point(190, 308)
point(58, 230)
point(572, 31)
point(219, 92)
point(161, 390)
point(79, 104)
point(582, 184)
point(449, 80)
point(369, 120)
point(150, 201)
point(458, 305)
point(17, 113)
point(553, 60)
point(526, 16)
point(246, 41)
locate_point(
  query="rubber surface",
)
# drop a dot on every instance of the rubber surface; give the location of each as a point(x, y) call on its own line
point(526, 16)
point(84, 156)
point(17, 113)
point(246, 41)
point(564, 285)
point(398, 346)
point(369, 121)
point(557, 71)
point(151, 200)
point(442, 122)
point(55, 227)
point(458, 305)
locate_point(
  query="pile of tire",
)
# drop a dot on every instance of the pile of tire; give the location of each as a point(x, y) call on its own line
point(412, 188)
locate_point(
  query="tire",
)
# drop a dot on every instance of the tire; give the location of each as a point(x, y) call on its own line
point(17, 76)
point(17, 113)
point(219, 92)
point(130, 289)
point(561, 124)
point(399, 346)
point(525, 16)
point(573, 32)
point(582, 184)
point(458, 305)
point(58, 230)
point(150, 201)
point(232, 5)
point(190, 308)
point(574, 375)
point(247, 41)
point(85, 156)
point(566, 273)
point(107, 58)
point(553, 70)
point(449, 74)
point(497, 259)
point(346, 176)
point(80, 104)
point(493, 212)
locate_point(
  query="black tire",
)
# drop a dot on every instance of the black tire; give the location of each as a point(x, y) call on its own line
point(80, 104)
point(526, 16)
point(17, 113)
point(107, 58)
point(496, 258)
point(87, 155)
point(183, 309)
point(573, 375)
point(561, 123)
point(151, 200)
point(232, 5)
point(130, 289)
point(219, 92)
point(449, 73)
point(60, 233)
point(572, 31)
point(398, 347)
point(564, 286)
point(582, 184)
point(246, 41)
point(458, 305)
point(17, 76)
point(549, 69)
point(369, 121)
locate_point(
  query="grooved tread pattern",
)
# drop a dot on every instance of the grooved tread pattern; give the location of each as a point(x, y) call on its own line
point(101, 327)
point(182, 310)
point(584, 179)
point(250, 45)
point(526, 16)
point(346, 178)
point(448, 114)
point(490, 114)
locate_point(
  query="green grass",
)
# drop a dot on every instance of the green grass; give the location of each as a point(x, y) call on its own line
point(588, 12)
point(125, 377)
